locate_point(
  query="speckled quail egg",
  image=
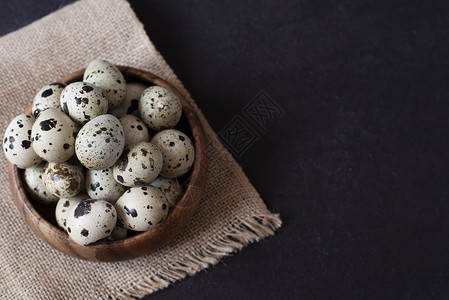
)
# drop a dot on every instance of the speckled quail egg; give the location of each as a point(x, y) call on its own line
point(100, 142)
point(130, 105)
point(177, 150)
point(119, 233)
point(139, 164)
point(100, 184)
point(171, 189)
point(65, 205)
point(91, 221)
point(17, 142)
point(159, 108)
point(64, 179)
point(34, 185)
point(135, 130)
point(83, 101)
point(141, 208)
point(109, 78)
point(53, 135)
point(47, 97)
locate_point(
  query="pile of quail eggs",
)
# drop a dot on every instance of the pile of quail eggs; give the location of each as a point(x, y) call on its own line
point(103, 152)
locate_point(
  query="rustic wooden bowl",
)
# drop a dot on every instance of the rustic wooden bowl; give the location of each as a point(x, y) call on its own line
point(40, 218)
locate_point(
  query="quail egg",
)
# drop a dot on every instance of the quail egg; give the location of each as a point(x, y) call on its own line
point(135, 130)
point(159, 108)
point(109, 78)
point(64, 179)
point(53, 135)
point(130, 105)
point(83, 101)
point(91, 221)
point(100, 142)
point(119, 233)
point(171, 189)
point(17, 142)
point(47, 97)
point(34, 184)
point(141, 208)
point(139, 164)
point(177, 150)
point(65, 205)
point(100, 184)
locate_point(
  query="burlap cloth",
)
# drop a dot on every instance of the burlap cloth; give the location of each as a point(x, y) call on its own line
point(231, 214)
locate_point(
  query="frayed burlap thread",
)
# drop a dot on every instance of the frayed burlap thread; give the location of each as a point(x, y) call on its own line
point(231, 214)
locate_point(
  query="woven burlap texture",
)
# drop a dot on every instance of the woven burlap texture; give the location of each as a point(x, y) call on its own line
point(231, 214)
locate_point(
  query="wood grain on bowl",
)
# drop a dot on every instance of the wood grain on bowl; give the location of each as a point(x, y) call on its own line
point(40, 218)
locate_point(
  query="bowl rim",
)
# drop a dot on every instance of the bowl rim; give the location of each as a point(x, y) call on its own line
point(174, 222)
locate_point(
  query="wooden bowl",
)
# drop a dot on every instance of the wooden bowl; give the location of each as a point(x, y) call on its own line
point(40, 218)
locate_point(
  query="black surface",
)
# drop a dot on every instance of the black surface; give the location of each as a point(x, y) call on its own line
point(357, 166)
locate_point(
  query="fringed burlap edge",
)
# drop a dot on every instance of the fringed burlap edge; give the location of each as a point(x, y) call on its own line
point(237, 237)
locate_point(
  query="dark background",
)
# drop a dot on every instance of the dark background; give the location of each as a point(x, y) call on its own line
point(358, 165)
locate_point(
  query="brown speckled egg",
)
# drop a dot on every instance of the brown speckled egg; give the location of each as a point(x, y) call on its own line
point(135, 130)
point(141, 208)
point(109, 78)
point(65, 205)
point(83, 101)
point(171, 189)
point(91, 221)
point(35, 187)
point(64, 179)
point(159, 108)
point(130, 106)
point(53, 135)
point(17, 142)
point(139, 164)
point(100, 142)
point(47, 97)
point(100, 184)
point(177, 150)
